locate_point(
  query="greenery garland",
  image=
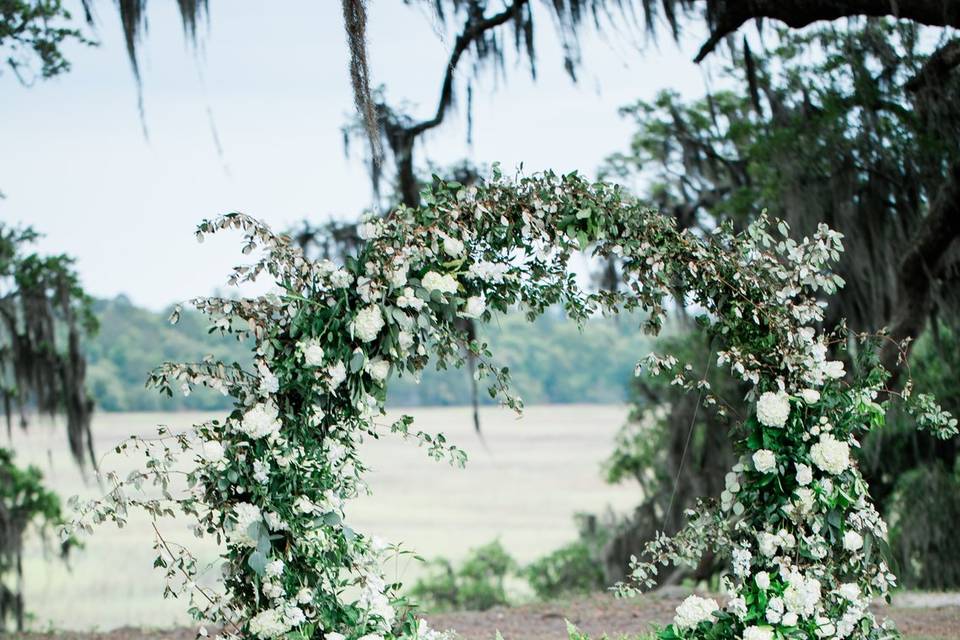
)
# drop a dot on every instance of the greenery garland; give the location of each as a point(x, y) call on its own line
point(272, 480)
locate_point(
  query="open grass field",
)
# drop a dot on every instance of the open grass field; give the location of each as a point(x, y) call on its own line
point(522, 485)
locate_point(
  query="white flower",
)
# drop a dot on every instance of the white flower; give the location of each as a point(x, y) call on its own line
point(489, 271)
point(340, 279)
point(245, 514)
point(305, 596)
point(405, 340)
point(764, 461)
point(805, 498)
point(312, 353)
point(268, 624)
point(830, 454)
point(433, 281)
point(261, 420)
point(368, 323)
point(804, 474)
point(336, 373)
point(474, 308)
point(774, 611)
point(261, 472)
point(212, 451)
point(852, 541)
point(810, 396)
point(802, 594)
point(368, 230)
point(789, 619)
point(693, 611)
point(773, 409)
point(833, 369)
point(767, 542)
point(758, 633)
point(378, 368)
point(333, 635)
point(274, 568)
point(452, 246)
point(398, 276)
point(850, 591)
point(763, 580)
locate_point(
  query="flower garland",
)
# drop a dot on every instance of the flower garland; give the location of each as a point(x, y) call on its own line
point(274, 478)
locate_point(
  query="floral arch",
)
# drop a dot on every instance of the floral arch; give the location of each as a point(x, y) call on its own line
point(804, 542)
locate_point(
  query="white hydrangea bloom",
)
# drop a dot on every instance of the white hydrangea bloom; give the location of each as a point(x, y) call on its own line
point(810, 396)
point(274, 568)
point(474, 307)
point(368, 323)
point(378, 368)
point(775, 609)
point(340, 279)
point(245, 515)
point(773, 409)
point(261, 420)
point(269, 624)
point(433, 281)
point(758, 633)
point(694, 610)
point(765, 461)
point(488, 271)
point(830, 454)
point(312, 352)
point(802, 594)
point(368, 230)
point(804, 474)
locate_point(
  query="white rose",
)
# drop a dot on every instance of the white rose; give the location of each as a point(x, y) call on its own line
point(474, 307)
point(212, 451)
point(810, 396)
point(789, 619)
point(693, 611)
point(773, 409)
point(774, 612)
point(368, 323)
point(758, 633)
point(378, 368)
point(452, 246)
point(830, 454)
point(804, 474)
point(312, 353)
point(763, 580)
point(433, 281)
point(850, 591)
point(852, 541)
point(333, 635)
point(765, 461)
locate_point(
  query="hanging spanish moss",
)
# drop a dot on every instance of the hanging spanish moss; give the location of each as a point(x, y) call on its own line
point(44, 313)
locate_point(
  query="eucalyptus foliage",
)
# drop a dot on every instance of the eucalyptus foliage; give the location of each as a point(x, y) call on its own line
point(273, 480)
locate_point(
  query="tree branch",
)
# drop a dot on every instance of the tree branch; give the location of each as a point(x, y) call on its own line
point(726, 16)
point(921, 263)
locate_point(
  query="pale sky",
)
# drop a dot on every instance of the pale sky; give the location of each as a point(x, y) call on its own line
point(75, 164)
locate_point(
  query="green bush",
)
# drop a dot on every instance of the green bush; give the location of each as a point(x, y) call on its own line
point(571, 569)
point(478, 584)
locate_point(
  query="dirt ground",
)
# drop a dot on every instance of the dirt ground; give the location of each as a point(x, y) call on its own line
point(596, 615)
